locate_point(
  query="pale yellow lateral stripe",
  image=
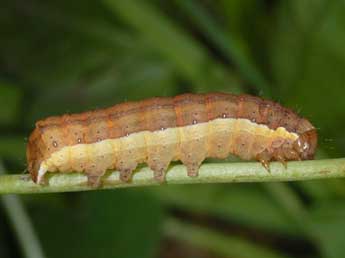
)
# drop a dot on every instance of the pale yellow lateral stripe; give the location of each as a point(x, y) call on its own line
point(59, 159)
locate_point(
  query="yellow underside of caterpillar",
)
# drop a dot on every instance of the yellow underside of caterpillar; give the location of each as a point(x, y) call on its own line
point(190, 144)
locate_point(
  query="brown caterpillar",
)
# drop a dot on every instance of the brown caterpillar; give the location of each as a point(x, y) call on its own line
point(188, 127)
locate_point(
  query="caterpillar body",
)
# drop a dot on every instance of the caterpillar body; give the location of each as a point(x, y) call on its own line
point(156, 131)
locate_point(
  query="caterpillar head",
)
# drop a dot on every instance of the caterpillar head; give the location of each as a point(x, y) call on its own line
point(306, 144)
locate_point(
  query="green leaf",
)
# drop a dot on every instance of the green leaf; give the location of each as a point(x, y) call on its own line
point(218, 243)
point(168, 39)
point(232, 46)
point(246, 204)
point(5, 249)
point(187, 55)
point(100, 224)
point(328, 223)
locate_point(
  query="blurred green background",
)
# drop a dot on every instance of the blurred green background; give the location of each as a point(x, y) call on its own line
point(63, 56)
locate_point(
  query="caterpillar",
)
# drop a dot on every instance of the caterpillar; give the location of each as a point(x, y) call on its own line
point(156, 131)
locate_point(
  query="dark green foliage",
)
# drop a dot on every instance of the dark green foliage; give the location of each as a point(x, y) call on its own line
point(69, 56)
point(104, 224)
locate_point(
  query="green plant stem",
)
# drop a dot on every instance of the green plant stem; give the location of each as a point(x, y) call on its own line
point(177, 174)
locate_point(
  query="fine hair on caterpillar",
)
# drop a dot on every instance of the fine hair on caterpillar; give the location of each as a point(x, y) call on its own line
point(156, 131)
